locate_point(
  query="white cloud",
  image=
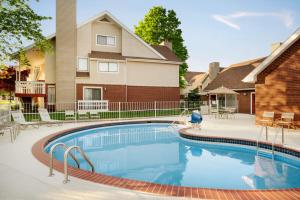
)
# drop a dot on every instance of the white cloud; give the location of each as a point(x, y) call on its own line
point(229, 20)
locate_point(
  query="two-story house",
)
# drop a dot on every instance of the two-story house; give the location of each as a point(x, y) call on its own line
point(99, 59)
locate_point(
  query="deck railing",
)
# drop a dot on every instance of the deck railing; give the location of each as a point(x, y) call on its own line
point(89, 105)
point(30, 87)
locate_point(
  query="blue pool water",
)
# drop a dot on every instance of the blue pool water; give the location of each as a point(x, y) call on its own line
point(155, 153)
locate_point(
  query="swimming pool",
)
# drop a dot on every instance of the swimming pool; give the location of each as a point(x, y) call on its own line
point(155, 153)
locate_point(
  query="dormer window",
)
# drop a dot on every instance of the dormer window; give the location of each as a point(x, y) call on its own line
point(106, 40)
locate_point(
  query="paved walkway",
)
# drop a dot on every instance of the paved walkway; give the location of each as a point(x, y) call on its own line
point(23, 177)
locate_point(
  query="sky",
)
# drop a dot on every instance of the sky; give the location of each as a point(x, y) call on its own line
point(225, 31)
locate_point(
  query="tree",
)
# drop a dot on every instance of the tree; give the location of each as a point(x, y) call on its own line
point(160, 25)
point(194, 95)
point(18, 22)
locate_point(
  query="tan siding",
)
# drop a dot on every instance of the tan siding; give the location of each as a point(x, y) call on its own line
point(106, 29)
point(134, 48)
point(96, 77)
point(152, 74)
point(84, 40)
point(50, 68)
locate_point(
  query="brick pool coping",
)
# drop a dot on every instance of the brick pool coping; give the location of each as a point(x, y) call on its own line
point(167, 190)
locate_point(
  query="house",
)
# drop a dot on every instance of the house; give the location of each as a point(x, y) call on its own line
point(99, 59)
point(231, 78)
point(193, 81)
point(200, 80)
point(277, 80)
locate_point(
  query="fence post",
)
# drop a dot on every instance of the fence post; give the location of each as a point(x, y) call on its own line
point(119, 110)
point(155, 109)
point(75, 109)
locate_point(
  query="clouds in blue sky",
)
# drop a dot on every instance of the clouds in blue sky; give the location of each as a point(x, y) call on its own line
point(231, 20)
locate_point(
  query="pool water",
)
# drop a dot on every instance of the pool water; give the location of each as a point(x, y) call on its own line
point(155, 153)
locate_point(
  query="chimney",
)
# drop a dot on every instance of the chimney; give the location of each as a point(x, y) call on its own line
point(214, 69)
point(167, 44)
point(274, 46)
point(65, 50)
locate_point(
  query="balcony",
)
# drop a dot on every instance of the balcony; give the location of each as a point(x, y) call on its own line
point(30, 89)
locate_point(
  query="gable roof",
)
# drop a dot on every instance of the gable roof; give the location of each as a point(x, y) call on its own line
point(232, 76)
point(252, 77)
point(190, 77)
point(166, 52)
point(107, 13)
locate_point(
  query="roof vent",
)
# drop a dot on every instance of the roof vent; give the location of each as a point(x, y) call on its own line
point(104, 20)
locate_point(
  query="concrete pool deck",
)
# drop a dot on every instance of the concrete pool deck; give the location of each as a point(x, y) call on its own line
point(24, 177)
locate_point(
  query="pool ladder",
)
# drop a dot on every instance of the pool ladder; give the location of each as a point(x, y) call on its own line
point(66, 154)
point(273, 142)
point(184, 112)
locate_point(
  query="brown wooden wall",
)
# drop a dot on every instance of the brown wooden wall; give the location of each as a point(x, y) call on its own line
point(117, 93)
point(244, 101)
point(278, 86)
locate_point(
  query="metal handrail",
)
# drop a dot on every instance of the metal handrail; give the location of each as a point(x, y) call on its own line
point(273, 143)
point(67, 152)
point(51, 157)
point(181, 114)
point(258, 138)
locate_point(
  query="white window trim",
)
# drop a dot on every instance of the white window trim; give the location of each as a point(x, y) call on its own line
point(88, 64)
point(108, 67)
point(106, 45)
point(91, 87)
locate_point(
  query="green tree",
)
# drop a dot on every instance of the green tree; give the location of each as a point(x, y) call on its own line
point(159, 25)
point(18, 22)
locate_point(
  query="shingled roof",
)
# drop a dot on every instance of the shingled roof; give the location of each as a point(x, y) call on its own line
point(166, 52)
point(232, 76)
point(163, 50)
point(191, 76)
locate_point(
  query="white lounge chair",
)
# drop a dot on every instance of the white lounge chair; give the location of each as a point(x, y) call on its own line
point(287, 119)
point(45, 117)
point(19, 118)
point(70, 115)
point(83, 114)
point(94, 114)
point(267, 119)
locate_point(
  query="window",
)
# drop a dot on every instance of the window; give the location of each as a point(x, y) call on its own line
point(92, 93)
point(51, 95)
point(106, 40)
point(82, 65)
point(108, 67)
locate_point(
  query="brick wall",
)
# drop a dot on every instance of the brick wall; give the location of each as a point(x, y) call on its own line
point(278, 86)
point(142, 93)
point(117, 93)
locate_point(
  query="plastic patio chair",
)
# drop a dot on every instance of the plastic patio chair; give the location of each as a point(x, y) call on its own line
point(82, 114)
point(287, 119)
point(94, 114)
point(267, 119)
point(70, 115)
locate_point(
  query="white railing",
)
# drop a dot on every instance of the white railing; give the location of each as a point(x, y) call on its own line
point(106, 110)
point(30, 87)
point(90, 105)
